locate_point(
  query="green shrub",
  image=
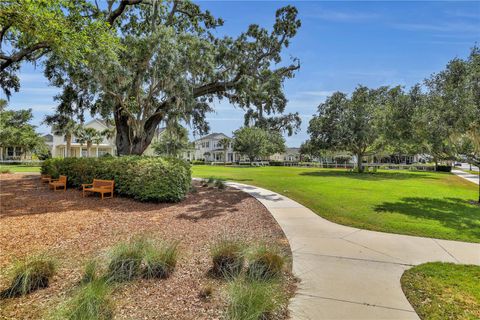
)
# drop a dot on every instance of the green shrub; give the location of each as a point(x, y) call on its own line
point(198, 162)
point(443, 168)
point(142, 178)
point(5, 171)
point(90, 301)
point(251, 300)
point(160, 261)
point(126, 260)
point(30, 274)
point(265, 263)
point(227, 258)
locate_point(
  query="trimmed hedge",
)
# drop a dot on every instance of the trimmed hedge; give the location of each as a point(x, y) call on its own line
point(142, 178)
point(443, 168)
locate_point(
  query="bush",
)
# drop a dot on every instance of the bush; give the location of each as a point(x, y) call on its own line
point(126, 260)
point(253, 300)
point(91, 301)
point(160, 261)
point(443, 168)
point(276, 163)
point(198, 162)
point(142, 178)
point(265, 263)
point(227, 258)
point(29, 275)
point(5, 171)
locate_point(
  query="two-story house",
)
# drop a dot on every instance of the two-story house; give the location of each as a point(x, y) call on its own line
point(58, 143)
point(210, 149)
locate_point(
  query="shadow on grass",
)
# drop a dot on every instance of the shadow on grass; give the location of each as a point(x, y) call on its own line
point(454, 213)
point(369, 176)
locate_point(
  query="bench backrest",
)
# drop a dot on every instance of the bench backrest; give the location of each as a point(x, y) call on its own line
point(62, 179)
point(103, 183)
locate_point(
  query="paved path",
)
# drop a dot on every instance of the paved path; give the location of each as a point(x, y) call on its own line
point(465, 175)
point(349, 273)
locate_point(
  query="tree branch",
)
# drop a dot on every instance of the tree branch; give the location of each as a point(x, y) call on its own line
point(121, 7)
point(9, 60)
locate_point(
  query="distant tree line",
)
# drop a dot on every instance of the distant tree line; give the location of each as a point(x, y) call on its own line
point(440, 117)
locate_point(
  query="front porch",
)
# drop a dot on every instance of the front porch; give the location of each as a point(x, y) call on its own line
point(81, 151)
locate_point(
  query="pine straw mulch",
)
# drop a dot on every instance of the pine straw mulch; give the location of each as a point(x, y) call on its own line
point(73, 229)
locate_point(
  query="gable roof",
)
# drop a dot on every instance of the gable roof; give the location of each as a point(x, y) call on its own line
point(214, 135)
point(101, 122)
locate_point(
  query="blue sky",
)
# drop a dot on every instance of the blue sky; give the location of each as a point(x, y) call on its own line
point(340, 45)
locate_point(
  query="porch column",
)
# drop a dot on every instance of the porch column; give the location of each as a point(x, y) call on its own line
point(97, 151)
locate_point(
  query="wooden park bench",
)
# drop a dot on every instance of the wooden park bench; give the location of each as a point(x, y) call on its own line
point(99, 186)
point(57, 183)
point(45, 178)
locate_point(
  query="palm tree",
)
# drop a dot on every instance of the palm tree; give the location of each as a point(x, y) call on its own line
point(88, 136)
point(63, 126)
point(224, 143)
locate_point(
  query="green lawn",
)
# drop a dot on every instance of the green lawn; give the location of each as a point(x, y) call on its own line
point(426, 204)
point(19, 168)
point(443, 290)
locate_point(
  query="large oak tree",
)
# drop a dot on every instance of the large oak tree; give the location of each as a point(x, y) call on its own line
point(171, 65)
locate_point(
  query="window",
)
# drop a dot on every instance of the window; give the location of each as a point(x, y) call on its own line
point(10, 151)
point(18, 151)
point(102, 152)
point(207, 144)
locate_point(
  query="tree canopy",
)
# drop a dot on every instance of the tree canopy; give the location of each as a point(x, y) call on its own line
point(255, 142)
point(72, 30)
point(16, 131)
point(171, 63)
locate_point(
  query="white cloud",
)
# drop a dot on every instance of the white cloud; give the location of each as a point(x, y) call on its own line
point(342, 16)
point(32, 77)
point(445, 27)
point(36, 107)
point(45, 90)
point(319, 93)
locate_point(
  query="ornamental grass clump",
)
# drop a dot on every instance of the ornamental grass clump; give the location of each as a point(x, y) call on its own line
point(29, 275)
point(254, 300)
point(126, 260)
point(91, 272)
point(219, 184)
point(228, 258)
point(265, 263)
point(160, 260)
point(90, 301)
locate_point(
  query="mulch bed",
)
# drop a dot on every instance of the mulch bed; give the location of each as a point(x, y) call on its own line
point(73, 229)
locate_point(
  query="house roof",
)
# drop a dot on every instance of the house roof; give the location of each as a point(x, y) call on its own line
point(214, 135)
point(48, 137)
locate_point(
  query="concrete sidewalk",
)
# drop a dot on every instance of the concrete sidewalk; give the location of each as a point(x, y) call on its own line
point(465, 175)
point(349, 273)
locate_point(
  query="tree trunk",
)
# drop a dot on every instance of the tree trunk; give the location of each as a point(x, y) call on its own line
point(89, 146)
point(68, 137)
point(127, 141)
point(359, 162)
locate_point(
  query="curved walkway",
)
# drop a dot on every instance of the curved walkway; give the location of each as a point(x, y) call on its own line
point(350, 273)
point(467, 176)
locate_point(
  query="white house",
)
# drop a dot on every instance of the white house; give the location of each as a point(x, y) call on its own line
point(210, 149)
point(58, 144)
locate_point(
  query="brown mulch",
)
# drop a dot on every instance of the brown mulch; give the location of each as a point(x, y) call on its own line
point(73, 229)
